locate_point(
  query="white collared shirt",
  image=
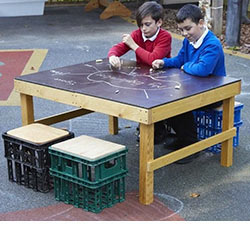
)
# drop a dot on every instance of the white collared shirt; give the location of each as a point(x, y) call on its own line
point(151, 38)
point(198, 43)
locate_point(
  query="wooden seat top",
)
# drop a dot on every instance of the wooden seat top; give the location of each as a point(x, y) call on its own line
point(37, 133)
point(88, 148)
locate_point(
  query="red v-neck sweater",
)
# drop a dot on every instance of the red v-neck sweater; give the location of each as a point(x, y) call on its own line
point(147, 51)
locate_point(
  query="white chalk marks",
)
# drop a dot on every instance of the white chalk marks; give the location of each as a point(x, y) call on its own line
point(120, 79)
point(172, 203)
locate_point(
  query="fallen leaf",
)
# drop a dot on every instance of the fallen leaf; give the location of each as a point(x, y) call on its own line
point(194, 195)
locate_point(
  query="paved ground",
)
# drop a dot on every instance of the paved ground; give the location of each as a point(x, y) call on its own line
point(73, 36)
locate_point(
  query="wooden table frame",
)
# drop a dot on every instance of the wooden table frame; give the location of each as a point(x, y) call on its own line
point(146, 118)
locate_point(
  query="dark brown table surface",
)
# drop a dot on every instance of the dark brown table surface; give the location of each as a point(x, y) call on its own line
point(132, 84)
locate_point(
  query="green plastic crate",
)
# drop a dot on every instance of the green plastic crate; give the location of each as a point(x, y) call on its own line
point(92, 200)
point(66, 161)
point(88, 184)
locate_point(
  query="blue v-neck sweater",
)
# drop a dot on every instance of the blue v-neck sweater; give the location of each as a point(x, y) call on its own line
point(206, 60)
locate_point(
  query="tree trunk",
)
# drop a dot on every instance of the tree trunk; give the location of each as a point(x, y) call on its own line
point(234, 8)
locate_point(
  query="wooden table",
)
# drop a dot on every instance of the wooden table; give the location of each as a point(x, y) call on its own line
point(136, 94)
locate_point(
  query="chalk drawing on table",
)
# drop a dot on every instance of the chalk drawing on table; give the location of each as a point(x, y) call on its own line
point(124, 80)
point(91, 66)
point(57, 73)
point(65, 81)
point(146, 94)
point(133, 71)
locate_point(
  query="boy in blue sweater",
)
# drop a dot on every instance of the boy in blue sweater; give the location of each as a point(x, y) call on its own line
point(201, 55)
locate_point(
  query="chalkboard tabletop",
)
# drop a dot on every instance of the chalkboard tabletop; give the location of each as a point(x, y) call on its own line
point(132, 84)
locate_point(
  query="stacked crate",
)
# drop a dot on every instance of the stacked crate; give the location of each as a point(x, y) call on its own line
point(26, 151)
point(89, 173)
point(209, 123)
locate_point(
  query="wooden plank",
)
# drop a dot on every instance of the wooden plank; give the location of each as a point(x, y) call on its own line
point(63, 116)
point(84, 101)
point(194, 102)
point(227, 123)
point(88, 148)
point(38, 133)
point(27, 109)
point(146, 188)
point(191, 149)
point(113, 125)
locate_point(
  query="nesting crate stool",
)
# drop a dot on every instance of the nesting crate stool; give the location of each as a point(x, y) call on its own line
point(209, 123)
point(26, 151)
point(89, 173)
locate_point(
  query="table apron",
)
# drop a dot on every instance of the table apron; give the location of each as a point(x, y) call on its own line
point(86, 102)
point(195, 102)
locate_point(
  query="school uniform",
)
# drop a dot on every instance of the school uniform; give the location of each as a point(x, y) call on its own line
point(150, 49)
point(156, 47)
point(203, 58)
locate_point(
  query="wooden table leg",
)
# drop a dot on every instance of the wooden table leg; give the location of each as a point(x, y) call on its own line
point(27, 109)
point(228, 123)
point(113, 125)
point(146, 188)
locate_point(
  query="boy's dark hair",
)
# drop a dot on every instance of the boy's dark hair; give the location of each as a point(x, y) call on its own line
point(189, 11)
point(152, 8)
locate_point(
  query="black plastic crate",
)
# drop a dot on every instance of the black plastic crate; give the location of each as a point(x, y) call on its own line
point(35, 178)
point(28, 163)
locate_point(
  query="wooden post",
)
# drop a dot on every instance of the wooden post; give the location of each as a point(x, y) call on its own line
point(146, 188)
point(217, 16)
point(27, 109)
point(234, 8)
point(113, 125)
point(227, 123)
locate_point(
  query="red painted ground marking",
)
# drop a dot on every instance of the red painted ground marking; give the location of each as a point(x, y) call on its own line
point(13, 64)
point(129, 210)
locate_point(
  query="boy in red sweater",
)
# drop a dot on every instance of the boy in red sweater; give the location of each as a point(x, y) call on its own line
point(149, 42)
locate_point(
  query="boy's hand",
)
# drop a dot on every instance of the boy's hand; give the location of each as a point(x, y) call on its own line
point(115, 61)
point(128, 40)
point(157, 64)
